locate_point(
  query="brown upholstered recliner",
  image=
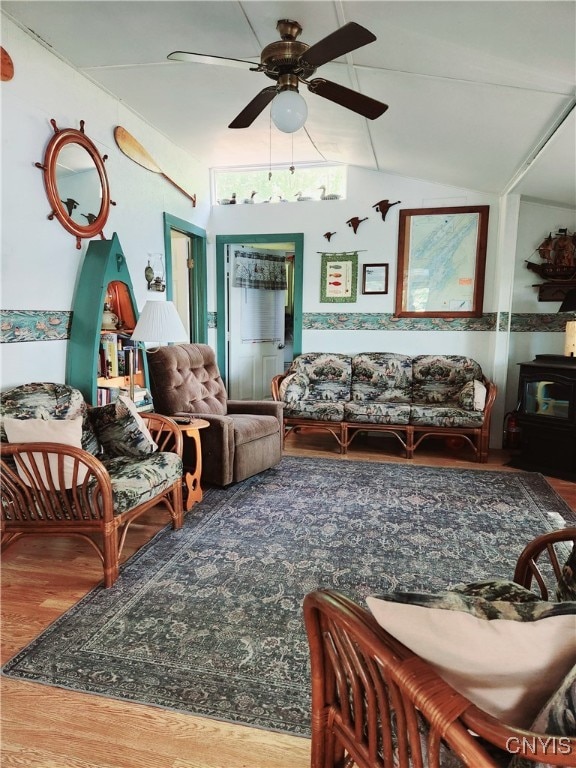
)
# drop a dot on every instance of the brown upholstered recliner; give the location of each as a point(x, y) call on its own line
point(244, 437)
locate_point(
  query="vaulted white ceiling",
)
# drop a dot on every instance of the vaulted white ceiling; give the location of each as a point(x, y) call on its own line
point(475, 89)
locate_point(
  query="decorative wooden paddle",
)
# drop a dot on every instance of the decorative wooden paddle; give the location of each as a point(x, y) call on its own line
point(135, 151)
point(7, 66)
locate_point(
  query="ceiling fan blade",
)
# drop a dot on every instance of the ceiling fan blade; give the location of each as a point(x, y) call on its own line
point(253, 109)
point(346, 97)
point(204, 58)
point(348, 38)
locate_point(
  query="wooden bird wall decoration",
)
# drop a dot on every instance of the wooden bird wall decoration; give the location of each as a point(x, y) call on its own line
point(383, 206)
point(328, 235)
point(355, 222)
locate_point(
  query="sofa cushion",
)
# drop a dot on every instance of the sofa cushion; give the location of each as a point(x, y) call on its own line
point(62, 431)
point(137, 480)
point(376, 412)
point(47, 400)
point(382, 377)
point(121, 430)
point(327, 375)
point(293, 388)
point(444, 416)
point(495, 642)
point(472, 396)
point(439, 379)
point(314, 410)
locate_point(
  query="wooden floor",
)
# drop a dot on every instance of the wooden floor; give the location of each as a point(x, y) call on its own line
point(47, 727)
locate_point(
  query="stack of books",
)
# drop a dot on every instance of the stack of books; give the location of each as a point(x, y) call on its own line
point(142, 398)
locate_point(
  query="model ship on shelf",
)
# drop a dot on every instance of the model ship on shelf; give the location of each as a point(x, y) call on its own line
point(558, 254)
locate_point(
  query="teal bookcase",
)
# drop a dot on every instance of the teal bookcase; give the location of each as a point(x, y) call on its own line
point(104, 264)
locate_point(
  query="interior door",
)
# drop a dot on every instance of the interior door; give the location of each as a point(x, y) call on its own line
point(185, 247)
point(182, 259)
point(256, 318)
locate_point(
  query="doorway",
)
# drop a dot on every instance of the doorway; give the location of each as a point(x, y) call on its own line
point(185, 249)
point(252, 343)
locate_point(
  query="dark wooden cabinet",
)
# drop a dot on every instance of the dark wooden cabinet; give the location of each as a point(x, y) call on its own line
point(547, 416)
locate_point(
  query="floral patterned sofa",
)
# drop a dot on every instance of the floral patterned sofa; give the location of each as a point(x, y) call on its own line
point(412, 398)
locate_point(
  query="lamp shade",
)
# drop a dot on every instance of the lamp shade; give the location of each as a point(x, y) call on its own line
point(569, 303)
point(159, 322)
point(289, 111)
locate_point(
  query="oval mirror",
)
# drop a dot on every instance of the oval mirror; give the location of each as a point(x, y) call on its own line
point(76, 183)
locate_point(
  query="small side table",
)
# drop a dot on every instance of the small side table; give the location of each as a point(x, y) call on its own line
point(192, 477)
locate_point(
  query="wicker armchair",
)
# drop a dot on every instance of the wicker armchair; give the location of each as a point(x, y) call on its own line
point(376, 704)
point(54, 489)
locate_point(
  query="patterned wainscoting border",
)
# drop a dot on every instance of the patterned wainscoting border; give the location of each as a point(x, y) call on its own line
point(529, 323)
point(34, 325)
point(356, 321)
point(20, 325)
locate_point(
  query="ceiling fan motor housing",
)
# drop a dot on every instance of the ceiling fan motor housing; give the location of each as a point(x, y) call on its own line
point(283, 56)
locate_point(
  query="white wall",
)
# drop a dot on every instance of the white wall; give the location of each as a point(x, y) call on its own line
point(376, 241)
point(40, 262)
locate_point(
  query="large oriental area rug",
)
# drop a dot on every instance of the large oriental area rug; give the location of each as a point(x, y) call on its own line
point(208, 620)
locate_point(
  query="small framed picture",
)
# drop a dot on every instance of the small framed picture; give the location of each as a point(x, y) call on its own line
point(339, 277)
point(375, 278)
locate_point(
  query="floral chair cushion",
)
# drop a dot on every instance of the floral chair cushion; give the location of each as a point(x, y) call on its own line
point(48, 401)
point(381, 377)
point(566, 589)
point(136, 480)
point(439, 379)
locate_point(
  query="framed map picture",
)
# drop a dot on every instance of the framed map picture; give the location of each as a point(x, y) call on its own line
point(441, 262)
point(339, 277)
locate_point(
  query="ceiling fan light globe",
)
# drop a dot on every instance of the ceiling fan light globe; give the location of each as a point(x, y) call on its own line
point(289, 111)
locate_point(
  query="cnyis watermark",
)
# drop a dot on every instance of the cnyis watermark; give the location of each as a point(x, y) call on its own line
point(542, 745)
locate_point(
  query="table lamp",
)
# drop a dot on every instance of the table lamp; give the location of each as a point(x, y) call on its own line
point(569, 305)
point(159, 322)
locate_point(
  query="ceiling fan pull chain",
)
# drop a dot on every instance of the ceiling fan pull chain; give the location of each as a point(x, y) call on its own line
point(270, 148)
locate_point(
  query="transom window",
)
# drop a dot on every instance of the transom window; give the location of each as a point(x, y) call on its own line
point(278, 184)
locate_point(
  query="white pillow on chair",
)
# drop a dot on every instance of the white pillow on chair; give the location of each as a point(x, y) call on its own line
point(63, 431)
point(507, 655)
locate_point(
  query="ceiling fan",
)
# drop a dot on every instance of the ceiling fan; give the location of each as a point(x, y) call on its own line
point(289, 62)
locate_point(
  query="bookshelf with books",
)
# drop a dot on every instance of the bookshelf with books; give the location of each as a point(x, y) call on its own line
point(103, 319)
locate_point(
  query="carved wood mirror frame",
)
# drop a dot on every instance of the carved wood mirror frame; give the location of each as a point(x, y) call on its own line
point(60, 140)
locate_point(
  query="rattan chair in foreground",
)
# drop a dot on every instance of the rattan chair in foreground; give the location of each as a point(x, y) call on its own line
point(376, 704)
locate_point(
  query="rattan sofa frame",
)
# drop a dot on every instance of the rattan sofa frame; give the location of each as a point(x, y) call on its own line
point(410, 436)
